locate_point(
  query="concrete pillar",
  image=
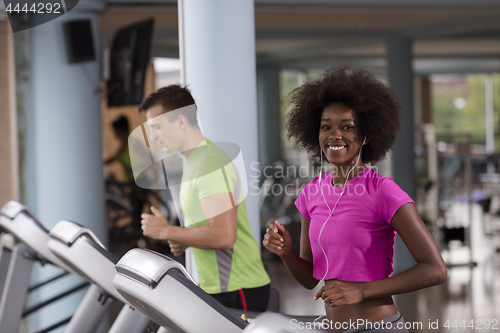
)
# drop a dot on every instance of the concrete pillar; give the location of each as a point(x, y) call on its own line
point(60, 141)
point(268, 114)
point(490, 123)
point(400, 75)
point(218, 49)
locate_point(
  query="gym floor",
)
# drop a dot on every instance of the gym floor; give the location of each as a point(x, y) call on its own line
point(469, 301)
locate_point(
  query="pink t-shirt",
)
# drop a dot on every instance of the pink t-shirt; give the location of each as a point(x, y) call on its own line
point(358, 239)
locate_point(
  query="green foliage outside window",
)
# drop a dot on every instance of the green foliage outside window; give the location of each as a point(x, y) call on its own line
point(459, 105)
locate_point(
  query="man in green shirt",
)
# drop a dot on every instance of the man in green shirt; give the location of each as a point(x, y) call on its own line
point(211, 197)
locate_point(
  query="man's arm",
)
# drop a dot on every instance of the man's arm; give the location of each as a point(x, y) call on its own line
point(219, 233)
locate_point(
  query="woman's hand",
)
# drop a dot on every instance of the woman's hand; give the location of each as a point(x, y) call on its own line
point(336, 293)
point(154, 226)
point(277, 239)
point(177, 249)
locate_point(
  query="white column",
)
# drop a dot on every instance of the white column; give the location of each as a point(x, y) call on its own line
point(62, 142)
point(219, 62)
point(68, 138)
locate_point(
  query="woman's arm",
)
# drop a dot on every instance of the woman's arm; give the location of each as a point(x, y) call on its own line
point(430, 269)
point(278, 240)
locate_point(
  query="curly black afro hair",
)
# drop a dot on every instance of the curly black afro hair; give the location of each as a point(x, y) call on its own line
point(375, 104)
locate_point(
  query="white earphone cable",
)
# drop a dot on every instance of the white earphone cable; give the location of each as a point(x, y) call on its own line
point(330, 212)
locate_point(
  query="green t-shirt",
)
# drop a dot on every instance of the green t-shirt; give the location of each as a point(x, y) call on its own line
point(209, 171)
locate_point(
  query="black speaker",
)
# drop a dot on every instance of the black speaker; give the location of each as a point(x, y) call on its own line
point(79, 41)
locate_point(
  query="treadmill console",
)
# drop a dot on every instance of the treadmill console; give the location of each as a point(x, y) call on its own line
point(68, 232)
point(148, 267)
point(12, 208)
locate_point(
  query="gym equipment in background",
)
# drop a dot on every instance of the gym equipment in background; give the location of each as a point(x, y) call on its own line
point(164, 291)
point(80, 249)
point(25, 244)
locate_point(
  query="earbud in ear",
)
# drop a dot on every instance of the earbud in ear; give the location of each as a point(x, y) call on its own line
point(364, 141)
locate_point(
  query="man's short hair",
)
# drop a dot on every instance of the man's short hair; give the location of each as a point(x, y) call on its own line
point(171, 98)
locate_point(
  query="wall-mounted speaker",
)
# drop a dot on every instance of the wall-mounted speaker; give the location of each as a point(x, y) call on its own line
point(79, 41)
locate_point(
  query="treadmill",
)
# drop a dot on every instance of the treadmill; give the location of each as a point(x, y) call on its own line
point(82, 251)
point(163, 290)
point(26, 242)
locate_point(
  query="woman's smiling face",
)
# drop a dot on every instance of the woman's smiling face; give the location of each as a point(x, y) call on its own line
point(340, 136)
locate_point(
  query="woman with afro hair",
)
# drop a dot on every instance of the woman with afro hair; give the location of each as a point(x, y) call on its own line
point(350, 215)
